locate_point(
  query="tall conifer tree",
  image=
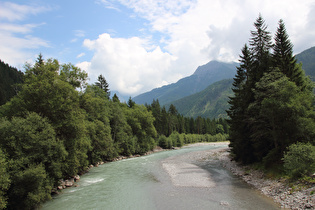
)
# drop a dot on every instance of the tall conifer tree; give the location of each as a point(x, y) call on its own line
point(239, 129)
point(260, 48)
point(102, 83)
point(283, 57)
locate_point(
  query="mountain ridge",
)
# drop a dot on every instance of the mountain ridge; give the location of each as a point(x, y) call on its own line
point(212, 103)
point(203, 76)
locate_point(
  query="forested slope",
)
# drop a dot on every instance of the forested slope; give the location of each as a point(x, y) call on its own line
point(9, 79)
point(209, 103)
point(307, 58)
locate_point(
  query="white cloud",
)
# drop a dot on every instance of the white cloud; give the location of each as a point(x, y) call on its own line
point(15, 38)
point(16, 12)
point(80, 55)
point(77, 35)
point(194, 32)
point(127, 64)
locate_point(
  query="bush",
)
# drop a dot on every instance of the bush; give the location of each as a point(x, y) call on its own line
point(163, 142)
point(299, 160)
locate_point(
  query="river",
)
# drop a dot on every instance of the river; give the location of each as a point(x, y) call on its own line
point(143, 183)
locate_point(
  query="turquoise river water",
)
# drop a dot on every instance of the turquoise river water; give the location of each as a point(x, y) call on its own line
point(142, 183)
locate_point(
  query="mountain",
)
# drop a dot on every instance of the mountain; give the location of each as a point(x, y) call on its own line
point(209, 103)
point(203, 76)
point(212, 101)
point(307, 58)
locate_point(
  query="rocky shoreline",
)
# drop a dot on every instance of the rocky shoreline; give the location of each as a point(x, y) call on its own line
point(287, 195)
point(278, 189)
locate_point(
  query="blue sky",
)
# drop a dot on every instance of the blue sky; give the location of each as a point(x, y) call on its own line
point(139, 45)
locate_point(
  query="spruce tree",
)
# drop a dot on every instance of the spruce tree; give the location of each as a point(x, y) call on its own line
point(272, 106)
point(283, 57)
point(260, 48)
point(239, 129)
point(102, 83)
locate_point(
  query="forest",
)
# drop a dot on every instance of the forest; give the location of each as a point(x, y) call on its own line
point(271, 115)
point(55, 125)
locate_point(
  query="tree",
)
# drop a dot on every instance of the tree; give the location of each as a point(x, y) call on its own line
point(243, 95)
point(10, 80)
point(283, 112)
point(260, 43)
point(299, 160)
point(35, 157)
point(97, 106)
point(131, 103)
point(4, 180)
point(115, 98)
point(141, 122)
point(270, 108)
point(283, 58)
point(46, 93)
point(73, 75)
point(103, 84)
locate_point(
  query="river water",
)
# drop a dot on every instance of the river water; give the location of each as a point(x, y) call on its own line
point(142, 183)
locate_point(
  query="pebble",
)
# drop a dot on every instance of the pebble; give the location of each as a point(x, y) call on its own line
point(286, 196)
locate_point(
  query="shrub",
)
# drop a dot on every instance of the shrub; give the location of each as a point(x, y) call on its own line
point(299, 160)
point(163, 142)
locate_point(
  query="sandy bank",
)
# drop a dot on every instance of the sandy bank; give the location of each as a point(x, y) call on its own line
point(183, 173)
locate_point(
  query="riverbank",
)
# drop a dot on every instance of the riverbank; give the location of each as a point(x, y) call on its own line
point(277, 189)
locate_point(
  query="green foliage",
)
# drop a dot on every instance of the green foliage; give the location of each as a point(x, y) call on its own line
point(57, 125)
point(163, 142)
point(208, 103)
point(103, 85)
point(299, 160)
point(307, 58)
point(141, 123)
point(10, 78)
point(96, 105)
point(178, 140)
point(29, 187)
point(4, 180)
point(272, 106)
point(32, 140)
point(35, 158)
point(73, 75)
point(168, 122)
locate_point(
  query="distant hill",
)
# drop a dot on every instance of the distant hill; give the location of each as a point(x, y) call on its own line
point(307, 58)
point(209, 103)
point(9, 78)
point(213, 101)
point(203, 76)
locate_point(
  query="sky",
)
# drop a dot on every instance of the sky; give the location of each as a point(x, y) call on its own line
point(138, 45)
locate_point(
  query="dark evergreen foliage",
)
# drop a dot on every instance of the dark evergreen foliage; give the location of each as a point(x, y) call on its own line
point(102, 83)
point(167, 122)
point(283, 58)
point(10, 78)
point(272, 106)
